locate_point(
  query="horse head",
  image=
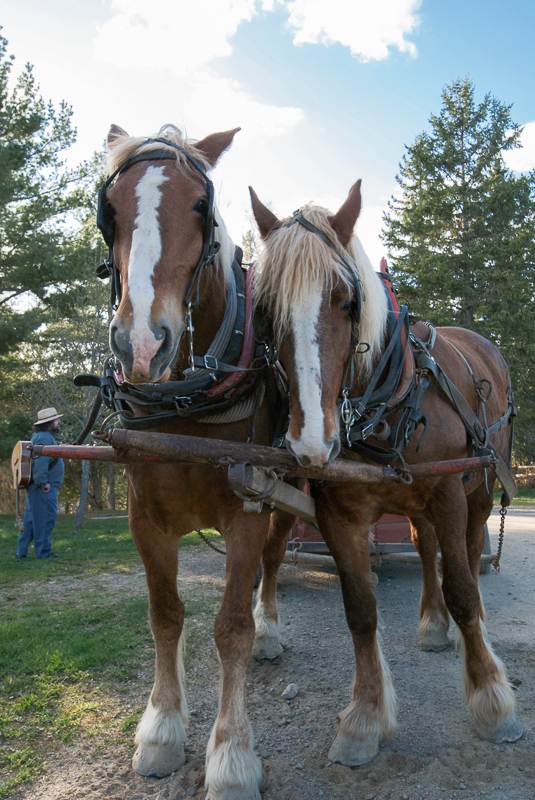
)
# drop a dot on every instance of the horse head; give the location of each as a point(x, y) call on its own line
point(317, 286)
point(159, 221)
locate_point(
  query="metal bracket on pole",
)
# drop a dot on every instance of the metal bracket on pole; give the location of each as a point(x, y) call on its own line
point(256, 485)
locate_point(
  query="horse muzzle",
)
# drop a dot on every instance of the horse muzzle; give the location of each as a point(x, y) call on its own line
point(146, 355)
point(318, 456)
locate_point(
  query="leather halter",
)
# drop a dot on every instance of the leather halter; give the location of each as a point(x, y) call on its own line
point(106, 218)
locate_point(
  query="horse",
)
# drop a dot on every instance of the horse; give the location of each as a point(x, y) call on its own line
point(185, 363)
point(328, 315)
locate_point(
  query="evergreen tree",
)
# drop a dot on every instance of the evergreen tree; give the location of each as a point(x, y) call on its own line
point(462, 234)
point(37, 194)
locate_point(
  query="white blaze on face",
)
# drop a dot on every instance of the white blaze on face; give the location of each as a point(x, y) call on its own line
point(307, 365)
point(144, 255)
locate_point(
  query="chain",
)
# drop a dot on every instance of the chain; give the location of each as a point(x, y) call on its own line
point(211, 544)
point(496, 558)
point(346, 412)
point(189, 325)
point(296, 548)
point(376, 543)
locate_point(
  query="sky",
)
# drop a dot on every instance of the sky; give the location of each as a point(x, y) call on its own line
point(325, 91)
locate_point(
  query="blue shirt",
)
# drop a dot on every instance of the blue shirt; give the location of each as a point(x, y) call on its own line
point(42, 471)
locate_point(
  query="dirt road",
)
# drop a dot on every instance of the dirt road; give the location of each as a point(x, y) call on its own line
point(435, 754)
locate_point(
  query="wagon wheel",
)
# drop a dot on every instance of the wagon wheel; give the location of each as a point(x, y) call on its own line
point(484, 568)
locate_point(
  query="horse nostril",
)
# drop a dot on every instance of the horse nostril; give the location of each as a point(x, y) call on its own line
point(304, 461)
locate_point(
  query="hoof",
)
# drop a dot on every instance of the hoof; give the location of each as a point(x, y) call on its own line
point(353, 753)
point(233, 794)
point(509, 731)
point(158, 760)
point(267, 649)
point(435, 640)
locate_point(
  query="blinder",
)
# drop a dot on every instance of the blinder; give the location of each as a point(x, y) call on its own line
point(106, 219)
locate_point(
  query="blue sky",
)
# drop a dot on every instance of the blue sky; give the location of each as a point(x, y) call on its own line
point(325, 91)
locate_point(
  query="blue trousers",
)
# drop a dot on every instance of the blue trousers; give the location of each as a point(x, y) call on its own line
point(39, 519)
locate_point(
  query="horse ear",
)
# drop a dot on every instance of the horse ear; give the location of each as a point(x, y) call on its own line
point(215, 145)
point(115, 133)
point(344, 220)
point(265, 219)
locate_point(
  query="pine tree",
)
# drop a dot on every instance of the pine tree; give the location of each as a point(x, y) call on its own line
point(37, 194)
point(462, 234)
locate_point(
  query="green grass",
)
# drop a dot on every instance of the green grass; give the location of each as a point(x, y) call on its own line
point(69, 655)
point(101, 545)
point(525, 497)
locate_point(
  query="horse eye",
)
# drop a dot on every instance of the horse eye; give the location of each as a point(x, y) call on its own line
point(347, 306)
point(201, 207)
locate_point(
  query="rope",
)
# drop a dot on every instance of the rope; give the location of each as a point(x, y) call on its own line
point(210, 544)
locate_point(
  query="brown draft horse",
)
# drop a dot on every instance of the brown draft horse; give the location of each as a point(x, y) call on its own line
point(306, 283)
point(155, 219)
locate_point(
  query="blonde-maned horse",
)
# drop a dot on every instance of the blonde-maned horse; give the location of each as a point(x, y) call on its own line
point(171, 261)
point(322, 298)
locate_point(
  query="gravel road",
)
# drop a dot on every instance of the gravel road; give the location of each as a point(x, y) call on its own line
point(435, 754)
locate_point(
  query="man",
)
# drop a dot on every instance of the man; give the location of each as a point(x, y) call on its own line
point(41, 508)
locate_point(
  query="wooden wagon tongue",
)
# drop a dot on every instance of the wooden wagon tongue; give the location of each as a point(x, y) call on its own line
point(254, 471)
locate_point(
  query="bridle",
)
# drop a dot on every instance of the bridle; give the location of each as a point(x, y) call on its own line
point(106, 220)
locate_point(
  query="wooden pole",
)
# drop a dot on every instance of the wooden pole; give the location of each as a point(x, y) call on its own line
point(164, 448)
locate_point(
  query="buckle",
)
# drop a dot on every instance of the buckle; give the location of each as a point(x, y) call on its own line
point(210, 362)
point(367, 431)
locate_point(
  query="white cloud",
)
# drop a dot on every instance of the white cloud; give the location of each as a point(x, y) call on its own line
point(523, 159)
point(178, 37)
point(369, 29)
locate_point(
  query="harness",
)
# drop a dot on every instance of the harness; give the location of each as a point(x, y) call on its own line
point(399, 381)
point(224, 385)
point(368, 415)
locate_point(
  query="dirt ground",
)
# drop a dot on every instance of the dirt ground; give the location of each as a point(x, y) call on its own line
point(435, 754)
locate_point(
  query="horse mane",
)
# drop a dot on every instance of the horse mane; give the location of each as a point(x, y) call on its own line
point(295, 263)
point(124, 146)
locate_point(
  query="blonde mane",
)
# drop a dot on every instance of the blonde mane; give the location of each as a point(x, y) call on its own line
point(124, 146)
point(296, 263)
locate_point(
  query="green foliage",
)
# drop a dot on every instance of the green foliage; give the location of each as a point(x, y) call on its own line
point(36, 196)
point(462, 235)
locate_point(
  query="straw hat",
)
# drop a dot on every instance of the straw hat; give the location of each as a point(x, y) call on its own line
point(47, 415)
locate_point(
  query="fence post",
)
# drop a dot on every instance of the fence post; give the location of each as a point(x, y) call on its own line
point(79, 521)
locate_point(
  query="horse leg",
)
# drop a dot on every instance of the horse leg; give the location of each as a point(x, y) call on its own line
point(161, 732)
point(370, 716)
point(233, 771)
point(434, 617)
point(487, 692)
point(267, 636)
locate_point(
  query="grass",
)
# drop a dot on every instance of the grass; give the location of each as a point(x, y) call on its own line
point(102, 544)
point(525, 497)
point(70, 656)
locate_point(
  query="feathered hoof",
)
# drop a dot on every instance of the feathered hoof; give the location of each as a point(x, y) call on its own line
point(267, 648)
point(158, 760)
point(435, 640)
point(510, 730)
point(353, 753)
point(233, 794)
